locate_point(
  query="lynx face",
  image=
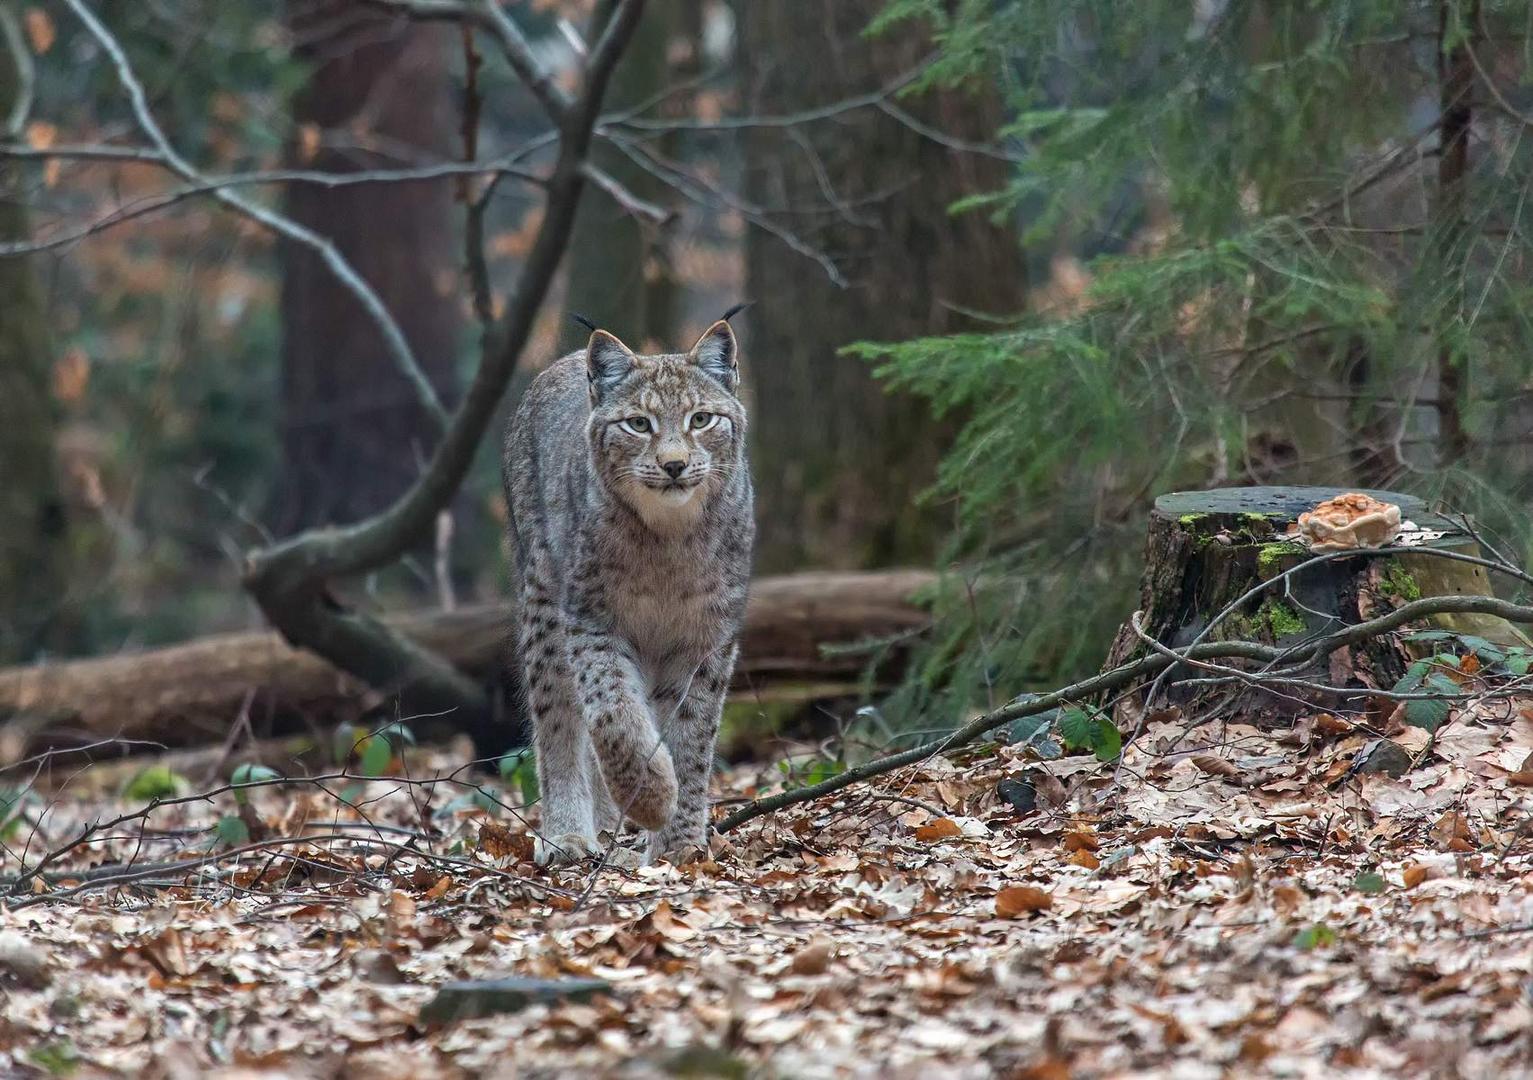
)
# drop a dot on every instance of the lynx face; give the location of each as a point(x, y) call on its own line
point(666, 431)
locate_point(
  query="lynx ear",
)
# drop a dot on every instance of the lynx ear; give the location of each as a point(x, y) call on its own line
point(717, 354)
point(608, 360)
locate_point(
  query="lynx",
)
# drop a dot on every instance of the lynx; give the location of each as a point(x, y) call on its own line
point(631, 524)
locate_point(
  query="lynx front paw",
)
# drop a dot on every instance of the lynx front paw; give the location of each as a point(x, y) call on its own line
point(563, 849)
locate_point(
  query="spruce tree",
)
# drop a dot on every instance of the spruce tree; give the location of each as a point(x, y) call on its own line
point(1299, 249)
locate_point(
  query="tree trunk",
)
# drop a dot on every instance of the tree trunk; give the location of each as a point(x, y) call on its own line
point(620, 270)
point(353, 431)
point(1206, 549)
point(33, 583)
point(839, 462)
point(1456, 82)
point(191, 693)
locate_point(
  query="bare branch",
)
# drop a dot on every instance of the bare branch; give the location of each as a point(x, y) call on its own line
point(489, 18)
point(709, 194)
point(211, 185)
point(631, 203)
point(394, 338)
point(26, 76)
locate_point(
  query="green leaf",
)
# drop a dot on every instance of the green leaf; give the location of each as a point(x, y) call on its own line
point(1090, 729)
point(1431, 713)
point(519, 769)
point(345, 742)
point(231, 831)
point(377, 753)
point(398, 734)
point(1518, 661)
point(56, 1058)
point(155, 782)
point(1314, 937)
point(1368, 883)
point(1412, 677)
point(12, 802)
point(251, 773)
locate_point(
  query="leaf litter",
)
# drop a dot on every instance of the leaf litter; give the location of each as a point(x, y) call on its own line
point(1230, 902)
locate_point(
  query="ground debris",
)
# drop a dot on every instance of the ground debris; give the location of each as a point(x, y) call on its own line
point(1274, 914)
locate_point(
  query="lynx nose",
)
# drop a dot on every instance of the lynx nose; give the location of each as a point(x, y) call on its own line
point(673, 469)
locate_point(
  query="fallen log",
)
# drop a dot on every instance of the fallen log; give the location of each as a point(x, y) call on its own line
point(190, 693)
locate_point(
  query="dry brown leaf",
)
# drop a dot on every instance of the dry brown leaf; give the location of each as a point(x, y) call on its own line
point(1017, 900)
point(1414, 875)
point(814, 958)
point(1081, 840)
point(1215, 765)
point(668, 924)
point(41, 134)
point(495, 840)
point(40, 30)
point(941, 829)
point(1085, 858)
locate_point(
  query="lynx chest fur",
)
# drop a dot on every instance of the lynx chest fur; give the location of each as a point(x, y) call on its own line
point(631, 522)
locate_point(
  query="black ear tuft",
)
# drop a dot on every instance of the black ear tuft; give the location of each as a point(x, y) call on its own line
point(717, 354)
point(608, 360)
point(582, 320)
point(732, 312)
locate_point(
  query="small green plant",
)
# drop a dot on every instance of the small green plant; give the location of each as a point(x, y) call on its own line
point(231, 831)
point(810, 771)
point(13, 801)
point(1086, 728)
point(1467, 654)
point(1368, 883)
point(1318, 936)
point(377, 750)
point(55, 1058)
point(251, 773)
point(519, 770)
point(155, 782)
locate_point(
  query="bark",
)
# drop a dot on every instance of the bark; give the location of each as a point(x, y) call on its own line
point(354, 433)
point(839, 462)
point(621, 274)
point(34, 613)
point(193, 692)
point(1456, 80)
point(1206, 549)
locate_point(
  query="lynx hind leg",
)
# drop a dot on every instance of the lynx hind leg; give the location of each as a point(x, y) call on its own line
point(568, 828)
point(635, 764)
point(691, 729)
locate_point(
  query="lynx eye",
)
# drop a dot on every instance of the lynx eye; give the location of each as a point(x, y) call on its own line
point(637, 425)
point(702, 421)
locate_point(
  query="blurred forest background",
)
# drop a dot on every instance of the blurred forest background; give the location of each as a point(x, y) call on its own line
point(1016, 268)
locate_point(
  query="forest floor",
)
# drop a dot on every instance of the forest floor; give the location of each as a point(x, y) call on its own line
point(1232, 902)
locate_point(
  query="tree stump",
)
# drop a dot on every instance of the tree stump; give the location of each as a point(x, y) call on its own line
point(1207, 548)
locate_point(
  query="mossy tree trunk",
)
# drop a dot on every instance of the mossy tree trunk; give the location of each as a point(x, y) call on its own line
point(1206, 549)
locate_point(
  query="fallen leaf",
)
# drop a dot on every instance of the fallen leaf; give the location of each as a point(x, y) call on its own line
point(1017, 900)
point(40, 30)
point(941, 829)
point(1215, 765)
point(813, 958)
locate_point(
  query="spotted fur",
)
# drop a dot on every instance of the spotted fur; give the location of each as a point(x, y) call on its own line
point(631, 525)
